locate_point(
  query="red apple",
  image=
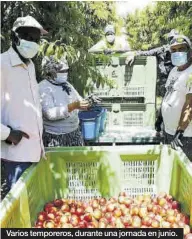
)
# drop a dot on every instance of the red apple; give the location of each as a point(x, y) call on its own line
point(128, 202)
point(65, 208)
point(79, 211)
point(170, 212)
point(47, 206)
point(165, 224)
point(64, 219)
point(73, 210)
point(162, 212)
point(136, 223)
point(102, 201)
point(88, 217)
point(142, 212)
point(151, 215)
point(175, 205)
point(82, 224)
point(134, 210)
point(58, 202)
point(97, 214)
point(150, 207)
point(121, 199)
point(169, 198)
point(74, 220)
point(155, 223)
point(102, 225)
point(51, 216)
point(42, 216)
point(171, 219)
point(125, 211)
point(185, 219)
point(117, 212)
point(156, 209)
point(147, 198)
point(188, 236)
point(110, 207)
point(89, 209)
point(174, 225)
point(162, 201)
point(127, 220)
point(95, 203)
point(186, 230)
point(146, 221)
point(49, 224)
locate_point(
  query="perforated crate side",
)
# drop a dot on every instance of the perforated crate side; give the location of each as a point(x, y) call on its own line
point(82, 180)
point(139, 177)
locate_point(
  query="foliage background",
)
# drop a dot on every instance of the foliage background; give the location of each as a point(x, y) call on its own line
point(148, 28)
point(79, 25)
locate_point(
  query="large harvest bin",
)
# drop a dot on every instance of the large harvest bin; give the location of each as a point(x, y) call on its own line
point(84, 173)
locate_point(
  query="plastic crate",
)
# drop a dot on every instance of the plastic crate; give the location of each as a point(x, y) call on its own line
point(84, 173)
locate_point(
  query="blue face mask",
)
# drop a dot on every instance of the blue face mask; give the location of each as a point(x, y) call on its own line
point(179, 58)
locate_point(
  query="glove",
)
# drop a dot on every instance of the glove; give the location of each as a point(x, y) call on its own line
point(93, 99)
point(107, 51)
point(176, 142)
point(16, 136)
point(158, 123)
point(129, 60)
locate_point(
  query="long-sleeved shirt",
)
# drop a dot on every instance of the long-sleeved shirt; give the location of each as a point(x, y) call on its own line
point(20, 109)
point(120, 44)
point(5, 131)
point(54, 101)
point(163, 58)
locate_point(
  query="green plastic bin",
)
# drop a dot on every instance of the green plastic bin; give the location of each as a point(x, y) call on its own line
point(84, 173)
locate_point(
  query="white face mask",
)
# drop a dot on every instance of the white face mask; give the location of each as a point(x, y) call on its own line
point(110, 38)
point(62, 77)
point(179, 58)
point(27, 49)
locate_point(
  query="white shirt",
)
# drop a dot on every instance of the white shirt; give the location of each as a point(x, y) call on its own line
point(54, 101)
point(20, 108)
point(178, 85)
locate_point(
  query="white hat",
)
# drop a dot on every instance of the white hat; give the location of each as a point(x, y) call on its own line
point(180, 39)
point(109, 28)
point(28, 21)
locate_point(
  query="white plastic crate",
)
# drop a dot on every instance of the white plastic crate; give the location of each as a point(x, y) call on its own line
point(134, 118)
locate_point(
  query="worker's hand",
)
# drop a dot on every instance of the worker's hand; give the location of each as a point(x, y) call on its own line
point(83, 105)
point(130, 59)
point(93, 99)
point(158, 123)
point(16, 136)
point(107, 51)
point(176, 142)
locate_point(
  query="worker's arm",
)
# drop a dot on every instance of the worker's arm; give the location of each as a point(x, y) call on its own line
point(153, 52)
point(185, 119)
point(5, 131)
point(186, 114)
point(99, 47)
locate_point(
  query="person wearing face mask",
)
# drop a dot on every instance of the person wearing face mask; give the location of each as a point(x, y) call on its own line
point(110, 43)
point(21, 119)
point(176, 107)
point(60, 105)
point(164, 64)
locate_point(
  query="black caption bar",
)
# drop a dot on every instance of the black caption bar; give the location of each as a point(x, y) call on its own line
point(131, 233)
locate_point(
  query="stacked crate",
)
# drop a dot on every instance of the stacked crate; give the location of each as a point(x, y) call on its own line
point(133, 102)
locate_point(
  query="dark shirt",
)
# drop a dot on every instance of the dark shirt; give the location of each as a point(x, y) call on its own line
point(163, 56)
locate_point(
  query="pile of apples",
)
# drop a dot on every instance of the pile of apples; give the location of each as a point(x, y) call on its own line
point(143, 211)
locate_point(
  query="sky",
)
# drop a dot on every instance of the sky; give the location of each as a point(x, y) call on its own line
point(125, 7)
